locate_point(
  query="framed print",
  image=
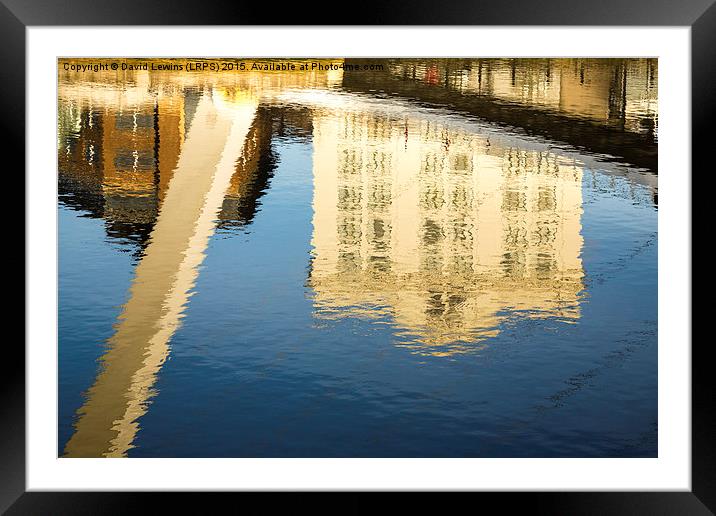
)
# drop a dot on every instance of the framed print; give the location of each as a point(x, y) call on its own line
point(449, 252)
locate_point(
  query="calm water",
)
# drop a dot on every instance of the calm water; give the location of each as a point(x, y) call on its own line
point(452, 258)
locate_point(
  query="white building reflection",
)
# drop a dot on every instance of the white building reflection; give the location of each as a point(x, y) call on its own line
point(440, 229)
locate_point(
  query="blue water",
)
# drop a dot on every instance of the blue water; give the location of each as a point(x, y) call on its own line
point(253, 373)
point(256, 369)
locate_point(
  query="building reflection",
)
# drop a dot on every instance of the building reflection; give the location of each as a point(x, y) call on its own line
point(164, 277)
point(618, 92)
point(118, 147)
point(167, 166)
point(440, 230)
point(606, 106)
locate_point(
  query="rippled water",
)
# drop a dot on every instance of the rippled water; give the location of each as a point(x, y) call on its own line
point(439, 258)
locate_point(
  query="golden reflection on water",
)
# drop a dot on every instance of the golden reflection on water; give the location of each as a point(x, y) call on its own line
point(440, 229)
point(443, 229)
point(617, 92)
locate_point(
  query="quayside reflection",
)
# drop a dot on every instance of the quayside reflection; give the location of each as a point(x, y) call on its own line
point(621, 93)
point(445, 226)
point(605, 106)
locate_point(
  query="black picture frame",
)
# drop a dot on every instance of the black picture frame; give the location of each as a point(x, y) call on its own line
point(699, 15)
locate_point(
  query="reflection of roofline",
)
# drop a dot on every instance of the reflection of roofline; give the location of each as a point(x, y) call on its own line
point(637, 149)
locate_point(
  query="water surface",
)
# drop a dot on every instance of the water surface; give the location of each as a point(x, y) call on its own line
point(444, 258)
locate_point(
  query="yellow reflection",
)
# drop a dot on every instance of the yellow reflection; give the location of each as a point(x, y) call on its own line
point(136, 151)
point(163, 279)
point(608, 91)
point(435, 226)
point(440, 229)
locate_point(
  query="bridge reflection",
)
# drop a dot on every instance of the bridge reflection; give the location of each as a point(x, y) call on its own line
point(168, 165)
point(163, 278)
point(440, 223)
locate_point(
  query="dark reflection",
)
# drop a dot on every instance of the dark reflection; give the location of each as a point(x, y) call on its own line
point(605, 106)
point(258, 161)
point(81, 182)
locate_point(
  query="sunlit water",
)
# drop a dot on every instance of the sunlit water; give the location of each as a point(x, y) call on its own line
point(415, 262)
